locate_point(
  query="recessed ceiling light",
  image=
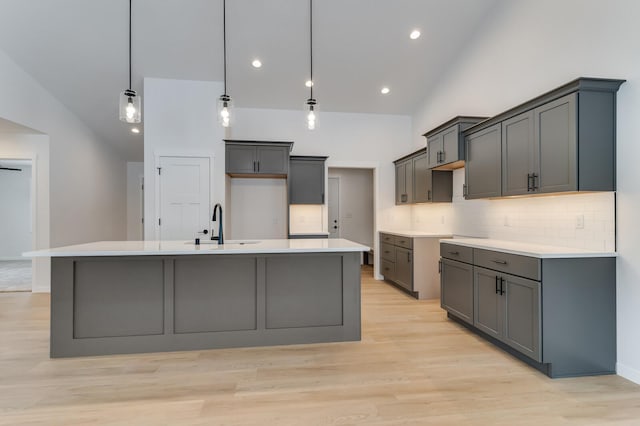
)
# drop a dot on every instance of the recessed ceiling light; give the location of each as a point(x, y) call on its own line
point(384, 90)
point(414, 34)
point(256, 63)
point(135, 130)
point(308, 83)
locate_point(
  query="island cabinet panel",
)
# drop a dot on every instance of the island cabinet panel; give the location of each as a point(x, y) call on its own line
point(307, 292)
point(104, 305)
point(117, 298)
point(215, 294)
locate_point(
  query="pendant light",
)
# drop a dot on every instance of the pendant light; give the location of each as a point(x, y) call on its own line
point(311, 109)
point(130, 102)
point(224, 101)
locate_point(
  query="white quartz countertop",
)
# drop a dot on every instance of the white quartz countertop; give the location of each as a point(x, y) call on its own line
point(417, 234)
point(150, 248)
point(526, 249)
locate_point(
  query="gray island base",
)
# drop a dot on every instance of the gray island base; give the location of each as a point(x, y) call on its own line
point(151, 303)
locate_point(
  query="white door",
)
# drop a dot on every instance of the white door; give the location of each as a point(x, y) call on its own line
point(184, 197)
point(334, 207)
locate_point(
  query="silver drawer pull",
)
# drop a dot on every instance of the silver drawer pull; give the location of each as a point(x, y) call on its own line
point(501, 262)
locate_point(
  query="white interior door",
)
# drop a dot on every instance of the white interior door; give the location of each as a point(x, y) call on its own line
point(333, 202)
point(184, 197)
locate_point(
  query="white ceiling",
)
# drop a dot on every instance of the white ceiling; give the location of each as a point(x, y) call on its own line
point(77, 49)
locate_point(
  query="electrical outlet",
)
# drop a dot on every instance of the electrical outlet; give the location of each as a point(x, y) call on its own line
point(580, 221)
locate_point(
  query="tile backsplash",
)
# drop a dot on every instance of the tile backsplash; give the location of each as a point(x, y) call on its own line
point(577, 220)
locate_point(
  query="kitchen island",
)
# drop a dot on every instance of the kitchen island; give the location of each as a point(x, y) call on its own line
point(117, 297)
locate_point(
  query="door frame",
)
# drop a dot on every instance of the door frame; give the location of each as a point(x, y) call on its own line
point(33, 206)
point(374, 166)
point(339, 192)
point(156, 164)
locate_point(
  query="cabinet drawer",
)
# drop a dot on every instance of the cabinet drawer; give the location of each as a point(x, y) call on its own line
point(456, 252)
point(523, 266)
point(387, 252)
point(406, 242)
point(388, 269)
point(386, 238)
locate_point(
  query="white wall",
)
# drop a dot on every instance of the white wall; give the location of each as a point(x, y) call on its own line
point(257, 209)
point(36, 149)
point(356, 204)
point(87, 177)
point(180, 119)
point(135, 206)
point(529, 48)
point(15, 211)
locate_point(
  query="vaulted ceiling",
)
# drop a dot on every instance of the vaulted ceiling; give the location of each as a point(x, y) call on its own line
point(77, 49)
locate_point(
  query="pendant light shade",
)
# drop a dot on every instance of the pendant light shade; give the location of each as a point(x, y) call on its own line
point(225, 103)
point(130, 102)
point(311, 110)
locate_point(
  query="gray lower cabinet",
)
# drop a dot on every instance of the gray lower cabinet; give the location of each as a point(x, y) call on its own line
point(456, 292)
point(404, 268)
point(483, 165)
point(562, 141)
point(255, 158)
point(507, 308)
point(306, 180)
point(557, 314)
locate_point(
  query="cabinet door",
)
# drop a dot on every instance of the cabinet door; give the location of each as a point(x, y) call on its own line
point(388, 269)
point(555, 135)
point(483, 165)
point(404, 182)
point(306, 182)
point(404, 268)
point(450, 144)
point(240, 159)
point(519, 165)
point(522, 325)
point(273, 160)
point(434, 147)
point(456, 289)
point(488, 302)
point(421, 179)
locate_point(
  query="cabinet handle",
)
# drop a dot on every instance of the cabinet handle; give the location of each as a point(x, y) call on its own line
point(387, 251)
point(429, 195)
point(529, 182)
point(501, 286)
point(439, 266)
point(403, 198)
point(442, 156)
point(500, 262)
point(258, 167)
point(496, 284)
point(534, 177)
point(455, 253)
point(464, 190)
point(408, 256)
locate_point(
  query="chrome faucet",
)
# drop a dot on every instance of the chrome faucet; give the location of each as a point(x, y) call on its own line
point(220, 236)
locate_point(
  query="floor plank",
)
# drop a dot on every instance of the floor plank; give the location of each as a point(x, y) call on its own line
point(412, 367)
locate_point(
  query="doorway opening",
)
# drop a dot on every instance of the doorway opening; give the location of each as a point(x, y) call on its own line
point(16, 224)
point(350, 206)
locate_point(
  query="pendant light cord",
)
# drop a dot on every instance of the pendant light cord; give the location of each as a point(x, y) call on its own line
point(311, 44)
point(130, 44)
point(224, 42)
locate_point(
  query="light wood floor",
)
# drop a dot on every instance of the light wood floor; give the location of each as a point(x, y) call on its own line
point(412, 367)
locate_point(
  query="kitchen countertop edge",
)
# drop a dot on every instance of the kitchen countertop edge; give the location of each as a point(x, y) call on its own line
point(525, 249)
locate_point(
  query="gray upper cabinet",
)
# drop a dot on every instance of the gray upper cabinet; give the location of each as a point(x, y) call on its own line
point(404, 182)
point(306, 180)
point(561, 141)
point(417, 183)
point(483, 166)
point(445, 143)
point(257, 159)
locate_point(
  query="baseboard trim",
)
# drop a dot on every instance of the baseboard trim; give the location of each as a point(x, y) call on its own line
point(628, 373)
